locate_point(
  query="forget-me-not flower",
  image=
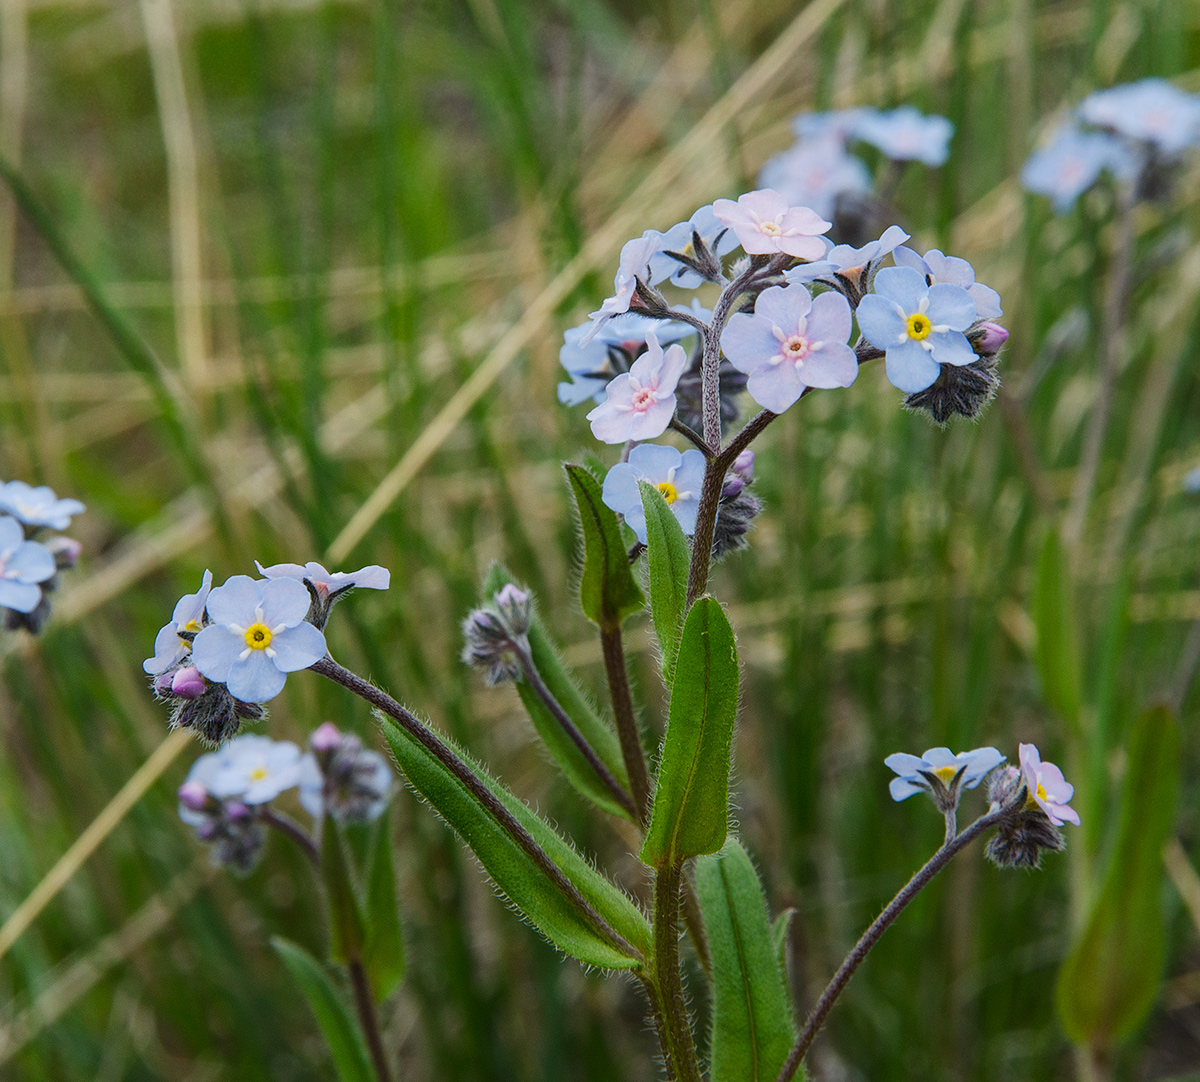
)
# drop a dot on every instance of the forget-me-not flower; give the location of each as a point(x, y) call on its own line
point(940, 773)
point(1071, 162)
point(838, 124)
point(24, 566)
point(169, 648)
point(954, 271)
point(919, 326)
point(843, 264)
point(1150, 110)
point(640, 403)
point(635, 263)
point(257, 636)
point(814, 172)
point(677, 476)
point(1046, 787)
point(766, 224)
point(371, 577)
point(341, 777)
point(906, 134)
point(254, 769)
point(37, 506)
point(791, 342)
point(715, 235)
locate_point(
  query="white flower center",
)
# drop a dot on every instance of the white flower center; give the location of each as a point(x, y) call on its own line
point(642, 399)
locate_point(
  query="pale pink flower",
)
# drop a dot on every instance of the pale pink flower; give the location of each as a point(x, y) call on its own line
point(641, 402)
point(766, 225)
point(1047, 787)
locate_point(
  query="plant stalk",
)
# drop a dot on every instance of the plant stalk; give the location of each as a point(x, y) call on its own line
point(368, 1019)
point(680, 1046)
point(627, 729)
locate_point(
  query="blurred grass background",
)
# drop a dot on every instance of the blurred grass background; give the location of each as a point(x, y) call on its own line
point(352, 234)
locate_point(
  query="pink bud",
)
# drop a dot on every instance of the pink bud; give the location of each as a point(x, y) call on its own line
point(65, 550)
point(235, 809)
point(993, 336)
point(326, 738)
point(510, 596)
point(187, 683)
point(743, 466)
point(193, 795)
point(162, 683)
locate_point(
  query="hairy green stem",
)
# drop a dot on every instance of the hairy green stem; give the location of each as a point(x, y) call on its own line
point(680, 1046)
point(484, 796)
point(627, 730)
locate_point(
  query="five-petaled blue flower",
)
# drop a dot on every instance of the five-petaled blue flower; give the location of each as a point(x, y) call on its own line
point(1072, 162)
point(253, 768)
point(169, 648)
point(37, 506)
point(716, 235)
point(906, 134)
point(1150, 110)
point(24, 565)
point(919, 326)
point(677, 476)
point(854, 265)
point(940, 772)
point(937, 267)
point(257, 635)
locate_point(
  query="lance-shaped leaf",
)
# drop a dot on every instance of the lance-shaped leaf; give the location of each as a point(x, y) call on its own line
point(346, 926)
point(516, 874)
point(691, 798)
point(562, 686)
point(1111, 978)
point(751, 1017)
point(383, 949)
point(1057, 640)
point(329, 1008)
point(668, 558)
point(607, 589)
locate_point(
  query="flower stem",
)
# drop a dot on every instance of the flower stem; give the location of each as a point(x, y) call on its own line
point(364, 1004)
point(627, 729)
point(484, 796)
point(680, 1046)
point(572, 730)
point(287, 825)
point(871, 936)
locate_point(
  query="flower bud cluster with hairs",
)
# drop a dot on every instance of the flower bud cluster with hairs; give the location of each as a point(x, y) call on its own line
point(227, 650)
point(495, 635)
point(30, 559)
point(342, 779)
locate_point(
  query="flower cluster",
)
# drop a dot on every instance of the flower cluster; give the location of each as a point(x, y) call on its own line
point(1136, 132)
point(30, 560)
point(227, 794)
point(228, 649)
point(495, 635)
point(819, 171)
point(1033, 799)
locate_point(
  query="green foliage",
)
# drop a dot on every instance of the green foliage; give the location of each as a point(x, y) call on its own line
point(346, 922)
point(1057, 636)
point(383, 947)
point(562, 685)
point(1110, 980)
point(752, 1030)
point(607, 589)
point(334, 1018)
point(691, 798)
point(668, 557)
point(514, 872)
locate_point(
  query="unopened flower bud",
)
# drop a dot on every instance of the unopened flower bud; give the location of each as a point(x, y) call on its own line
point(65, 551)
point(325, 738)
point(743, 466)
point(187, 683)
point(490, 647)
point(512, 604)
point(963, 390)
point(237, 811)
point(989, 338)
point(193, 795)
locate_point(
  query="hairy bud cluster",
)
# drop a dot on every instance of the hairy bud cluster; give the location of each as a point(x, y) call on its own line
point(495, 635)
point(231, 828)
point(344, 780)
point(1021, 839)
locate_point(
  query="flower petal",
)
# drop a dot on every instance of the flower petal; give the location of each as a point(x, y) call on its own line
point(298, 647)
point(910, 368)
point(256, 679)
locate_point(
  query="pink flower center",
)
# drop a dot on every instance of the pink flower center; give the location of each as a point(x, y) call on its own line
point(642, 399)
point(796, 348)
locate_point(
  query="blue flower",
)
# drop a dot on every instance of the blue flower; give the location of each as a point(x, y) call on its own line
point(954, 271)
point(940, 773)
point(906, 134)
point(677, 476)
point(37, 506)
point(919, 326)
point(1150, 111)
point(635, 264)
point(854, 264)
point(715, 234)
point(169, 648)
point(837, 123)
point(257, 636)
point(1072, 161)
point(253, 769)
point(341, 777)
point(814, 172)
point(24, 565)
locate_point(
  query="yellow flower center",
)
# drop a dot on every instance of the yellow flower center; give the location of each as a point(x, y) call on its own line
point(258, 636)
point(1041, 792)
point(946, 773)
point(258, 773)
point(669, 491)
point(771, 229)
point(919, 326)
point(192, 625)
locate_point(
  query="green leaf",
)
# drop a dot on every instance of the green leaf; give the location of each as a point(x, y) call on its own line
point(1057, 640)
point(512, 870)
point(346, 925)
point(383, 949)
point(336, 1023)
point(668, 557)
point(607, 589)
point(691, 799)
point(752, 1030)
point(780, 927)
point(1111, 978)
point(558, 679)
